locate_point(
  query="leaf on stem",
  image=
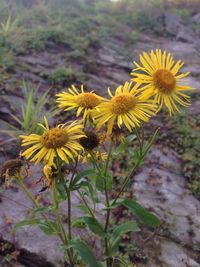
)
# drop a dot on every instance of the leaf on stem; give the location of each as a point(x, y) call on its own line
point(119, 231)
point(48, 229)
point(94, 225)
point(141, 213)
point(79, 223)
point(85, 253)
point(79, 176)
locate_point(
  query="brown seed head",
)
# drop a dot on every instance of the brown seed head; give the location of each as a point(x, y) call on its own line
point(90, 141)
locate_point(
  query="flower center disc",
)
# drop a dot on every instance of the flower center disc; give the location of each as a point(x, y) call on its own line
point(123, 103)
point(88, 100)
point(164, 80)
point(54, 138)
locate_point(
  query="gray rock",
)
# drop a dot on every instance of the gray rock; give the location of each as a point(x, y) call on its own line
point(161, 188)
point(186, 34)
point(182, 50)
point(172, 23)
point(196, 19)
point(15, 207)
point(175, 255)
point(193, 83)
point(193, 69)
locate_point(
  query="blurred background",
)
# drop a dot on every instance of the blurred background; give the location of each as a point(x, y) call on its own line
point(48, 45)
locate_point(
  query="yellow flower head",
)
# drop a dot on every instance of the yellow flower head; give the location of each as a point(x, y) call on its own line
point(48, 171)
point(86, 157)
point(161, 79)
point(82, 101)
point(125, 107)
point(61, 141)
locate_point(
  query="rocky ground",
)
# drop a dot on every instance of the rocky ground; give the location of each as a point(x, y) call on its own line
point(160, 185)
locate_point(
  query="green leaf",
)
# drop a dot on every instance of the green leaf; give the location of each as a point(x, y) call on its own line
point(109, 179)
point(100, 183)
point(81, 185)
point(42, 225)
point(61, 190)
point(84, 208)
point(79, 223)
point(119, 231)
point(120, 149)
point(94, 225)
point(141, 213)
point(124, 228)
point(79, 176)
point(85, 253)
point(49, 229)
point(27, 222)
point(130, 138)
point(42, 209)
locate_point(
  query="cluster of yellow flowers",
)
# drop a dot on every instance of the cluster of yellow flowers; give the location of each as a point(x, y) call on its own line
point(154, 83)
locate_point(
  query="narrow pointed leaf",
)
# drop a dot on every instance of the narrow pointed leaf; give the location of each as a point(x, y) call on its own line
point(85, 253)
point(141, 213)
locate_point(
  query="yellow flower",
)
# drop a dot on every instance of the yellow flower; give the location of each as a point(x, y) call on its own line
point(82, 101)
point(161, 79)
point(48, 174)
point(125, 107)
point(61, 141)
point(86, 156)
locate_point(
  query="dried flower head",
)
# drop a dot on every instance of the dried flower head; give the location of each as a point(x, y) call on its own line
point(90, 140)
point(11, 170)
point(117, 135)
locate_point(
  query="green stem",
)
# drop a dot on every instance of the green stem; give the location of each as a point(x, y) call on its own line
point(108, 159)
point(139, 140)
point(108, 260)
point(94, 162)
point(142, 156)
point(126, 180)
point(57, 212)
point(69, 214)
point(69, 223)
point(74, 172)
point(85, 202)
point(60, 176)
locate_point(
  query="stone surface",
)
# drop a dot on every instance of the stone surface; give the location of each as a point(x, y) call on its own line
point(196, 18)
point(160, 188)
point(15, 206)
point(186, 34)
point(172, 23)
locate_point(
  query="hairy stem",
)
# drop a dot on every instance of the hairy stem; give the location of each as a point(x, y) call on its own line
point(60, 176)
point(85, 202)
point(142, 156)
point(106, 241)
